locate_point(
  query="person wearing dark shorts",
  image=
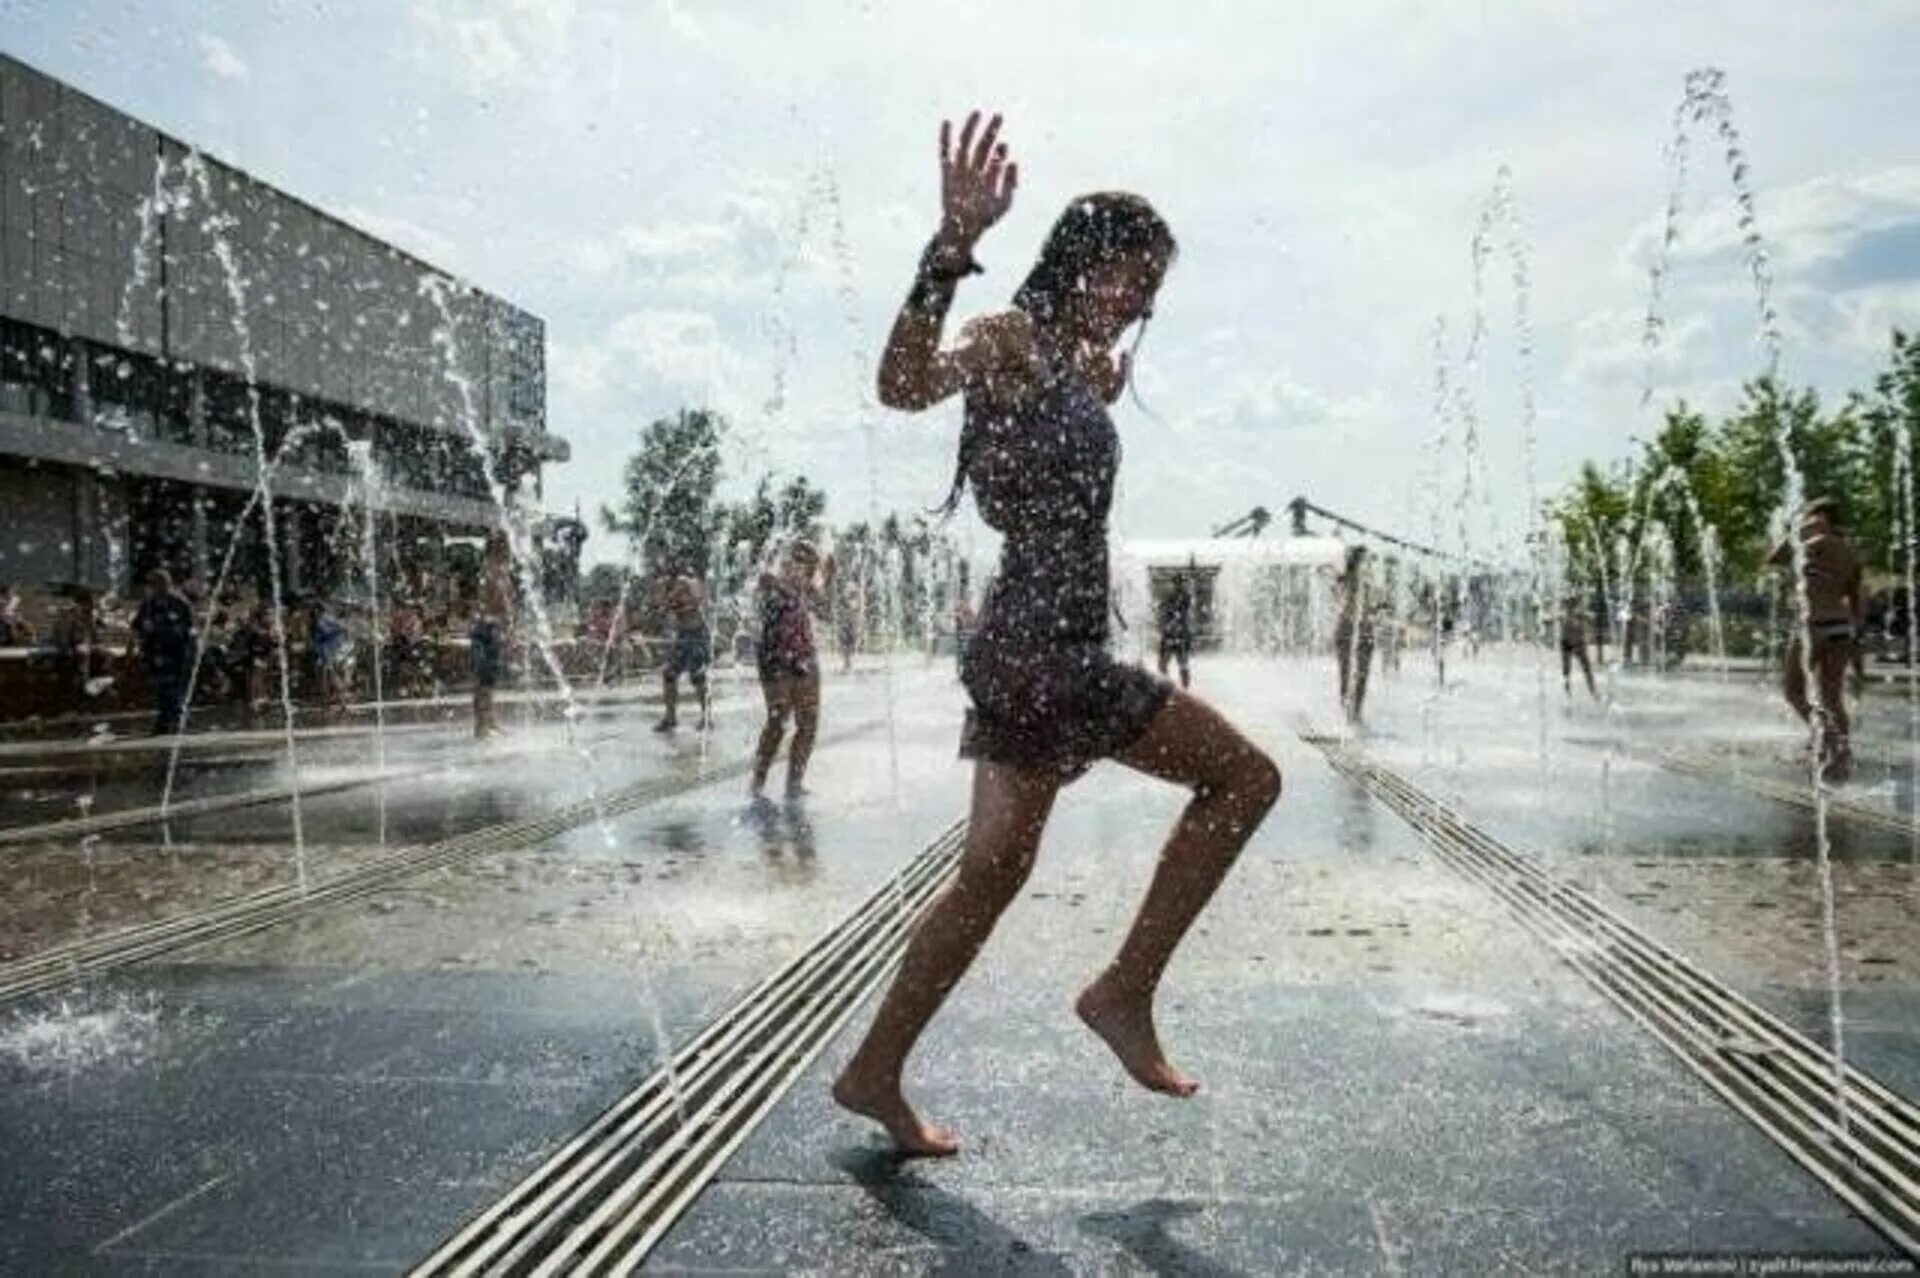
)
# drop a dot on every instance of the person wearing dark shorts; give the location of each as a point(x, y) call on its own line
point(689, 652)
point(1573, 643)
point(789, 666)
point(1048, 699)
point(1353, 635)
point(163, 630)
point(488, 659)
point(488, 633)
point(1831, 581)
point(1176, 629)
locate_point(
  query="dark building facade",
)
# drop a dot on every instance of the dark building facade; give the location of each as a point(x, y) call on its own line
point(167, 321)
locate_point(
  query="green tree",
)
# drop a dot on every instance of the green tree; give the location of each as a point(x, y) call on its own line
point(1890, 417)
point(751, 526)
point(800, 506)
point(1594, 519)
point(1681, 480)
point(602, 581)
point(667, 513)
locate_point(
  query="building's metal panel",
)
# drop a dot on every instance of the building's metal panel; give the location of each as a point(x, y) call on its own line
point(354, 320)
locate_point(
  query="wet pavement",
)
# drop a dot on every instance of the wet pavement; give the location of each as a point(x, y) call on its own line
point(1397, 1079)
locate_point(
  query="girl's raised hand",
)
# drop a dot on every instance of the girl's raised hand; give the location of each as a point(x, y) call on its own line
point(977, 181)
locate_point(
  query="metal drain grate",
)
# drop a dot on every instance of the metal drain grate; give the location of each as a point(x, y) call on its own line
point(1794, 795)
point(1787, 1085)
point(602, 1201)
point(57, 966)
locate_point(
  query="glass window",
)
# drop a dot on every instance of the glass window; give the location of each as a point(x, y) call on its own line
point(36, 372)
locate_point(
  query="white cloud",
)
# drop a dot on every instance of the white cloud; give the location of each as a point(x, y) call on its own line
point(218, 57)
point(1806, 225)
point(744, 250)
point(1610, 352)
point(681, 22)
point(645, 354)
point(508, 45)
point(1323, 170)
point(1258, 405)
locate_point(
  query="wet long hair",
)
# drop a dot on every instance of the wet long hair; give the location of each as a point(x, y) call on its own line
point(1095, 229)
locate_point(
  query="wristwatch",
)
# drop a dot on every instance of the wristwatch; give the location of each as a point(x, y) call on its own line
point(948, 262)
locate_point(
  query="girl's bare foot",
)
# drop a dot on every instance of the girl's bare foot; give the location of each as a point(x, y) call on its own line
point(1124, 1022)
point(883, 1103)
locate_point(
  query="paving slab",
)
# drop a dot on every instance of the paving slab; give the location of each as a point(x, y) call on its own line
point(1396, 1078)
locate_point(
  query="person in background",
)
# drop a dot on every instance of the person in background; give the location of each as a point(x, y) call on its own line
point(13, 631)
point(1353, 634)
point(76, 645)
point(216, 648)
point(789, 664)
point(1176, 628)
point(330, 646)
point(1826, 646)
point(1573, 642)
point(163, 637)
point(849, 616)
point(253, 648)
point(598, 624)
point(492, 623)
point(407, 648)
point(297, 625)
point(690, 651)
point(964, 621)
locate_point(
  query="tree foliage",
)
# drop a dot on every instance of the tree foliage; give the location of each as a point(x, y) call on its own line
point(667, 512)
point(1731, 476)
point(671, 513)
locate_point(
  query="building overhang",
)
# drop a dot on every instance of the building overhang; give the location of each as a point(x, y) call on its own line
point(66, 443)
point(537, 443)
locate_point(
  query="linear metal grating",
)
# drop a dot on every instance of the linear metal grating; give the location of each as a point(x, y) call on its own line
point(607, 1197)
point(255, 911)
point(1865, 1147)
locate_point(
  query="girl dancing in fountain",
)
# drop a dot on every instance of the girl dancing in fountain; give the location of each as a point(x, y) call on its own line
point(1047, 698)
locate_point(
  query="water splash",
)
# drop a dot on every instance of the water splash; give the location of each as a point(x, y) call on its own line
point(849, 291)
point(65, 1039)
point(513, 519)
point(289, 448)
point(1706, 103)
point(217, 224)
point(151, 210)
point(1910, 548)
point(371, 486)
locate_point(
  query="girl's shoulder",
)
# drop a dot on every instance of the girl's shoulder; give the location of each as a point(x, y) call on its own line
point(999, 354)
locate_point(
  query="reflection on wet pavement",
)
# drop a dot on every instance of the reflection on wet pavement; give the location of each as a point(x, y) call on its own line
point(1342, 977)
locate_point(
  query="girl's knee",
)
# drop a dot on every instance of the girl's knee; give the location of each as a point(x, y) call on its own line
point(990, 882)
point(1262, 783)
point(1249, 776)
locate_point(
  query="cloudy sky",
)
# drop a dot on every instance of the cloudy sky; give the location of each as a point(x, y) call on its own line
point(712, 206)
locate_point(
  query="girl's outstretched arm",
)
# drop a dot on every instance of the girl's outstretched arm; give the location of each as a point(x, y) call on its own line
point(976, 188)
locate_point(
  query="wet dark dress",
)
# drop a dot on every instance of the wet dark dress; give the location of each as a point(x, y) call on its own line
point(1045, 691)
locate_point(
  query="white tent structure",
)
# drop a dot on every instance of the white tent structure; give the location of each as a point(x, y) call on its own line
point(1251, 594)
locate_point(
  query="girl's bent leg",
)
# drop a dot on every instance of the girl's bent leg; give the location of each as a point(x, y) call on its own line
point(806, 722)
point(1234, 784)
point(1010, 808)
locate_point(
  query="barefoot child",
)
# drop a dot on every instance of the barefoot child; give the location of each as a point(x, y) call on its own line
point(1048, 700)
